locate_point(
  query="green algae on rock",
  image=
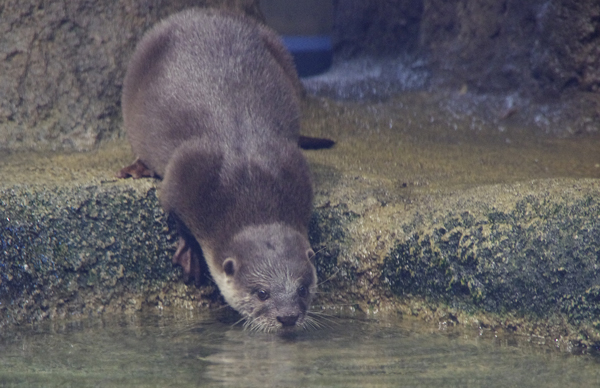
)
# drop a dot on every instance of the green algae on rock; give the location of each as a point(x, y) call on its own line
point(531, 259)
point(80, 249)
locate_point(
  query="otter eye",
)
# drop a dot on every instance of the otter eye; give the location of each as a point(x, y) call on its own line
point(263, 295)
point(303, 291)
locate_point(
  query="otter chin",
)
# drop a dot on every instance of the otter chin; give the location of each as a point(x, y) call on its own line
point(211, 105)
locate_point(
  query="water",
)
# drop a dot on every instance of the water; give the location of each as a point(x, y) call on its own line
point(149, 350)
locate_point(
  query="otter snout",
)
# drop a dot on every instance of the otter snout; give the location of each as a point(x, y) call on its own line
point(288, 320)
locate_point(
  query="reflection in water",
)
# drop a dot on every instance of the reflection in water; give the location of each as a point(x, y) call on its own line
point(148, 350)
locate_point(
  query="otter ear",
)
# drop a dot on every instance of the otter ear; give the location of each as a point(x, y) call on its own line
point(229, 266)
point(310, 255)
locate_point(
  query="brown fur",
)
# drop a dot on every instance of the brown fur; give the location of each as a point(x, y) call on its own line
point(210, 103)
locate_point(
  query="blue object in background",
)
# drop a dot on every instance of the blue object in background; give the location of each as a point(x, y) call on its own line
point(312, 54)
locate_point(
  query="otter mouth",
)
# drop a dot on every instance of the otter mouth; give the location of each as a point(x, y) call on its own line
point(289, 328)
point(275, 325)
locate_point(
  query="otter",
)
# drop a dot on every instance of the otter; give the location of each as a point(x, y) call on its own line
point(211, 106)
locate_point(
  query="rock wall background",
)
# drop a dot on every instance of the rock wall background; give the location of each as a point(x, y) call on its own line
point(62, 63)
point(534, 46)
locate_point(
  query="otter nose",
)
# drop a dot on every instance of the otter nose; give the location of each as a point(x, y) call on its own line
point(288, 320)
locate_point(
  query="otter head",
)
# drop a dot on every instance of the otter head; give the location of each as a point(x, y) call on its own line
point(269, 277)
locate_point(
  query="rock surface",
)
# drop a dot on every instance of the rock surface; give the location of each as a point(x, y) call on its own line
point(416, 212)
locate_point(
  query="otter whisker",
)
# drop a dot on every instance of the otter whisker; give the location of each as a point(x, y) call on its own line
point(319, 251)
point(312, 323)
point(321, 314)
point(323, 292)
point(323, 320)
point(218, 308)
point(316, 324)
point(329, 278)
point(336, 306)
point(307, 325)
point(238, 321)
point(248, 323)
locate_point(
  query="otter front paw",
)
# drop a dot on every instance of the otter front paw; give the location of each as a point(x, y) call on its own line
point(136, 170)
point(189, 260)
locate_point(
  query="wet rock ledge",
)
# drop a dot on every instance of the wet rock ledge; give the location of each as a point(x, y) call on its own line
point(405, 222)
